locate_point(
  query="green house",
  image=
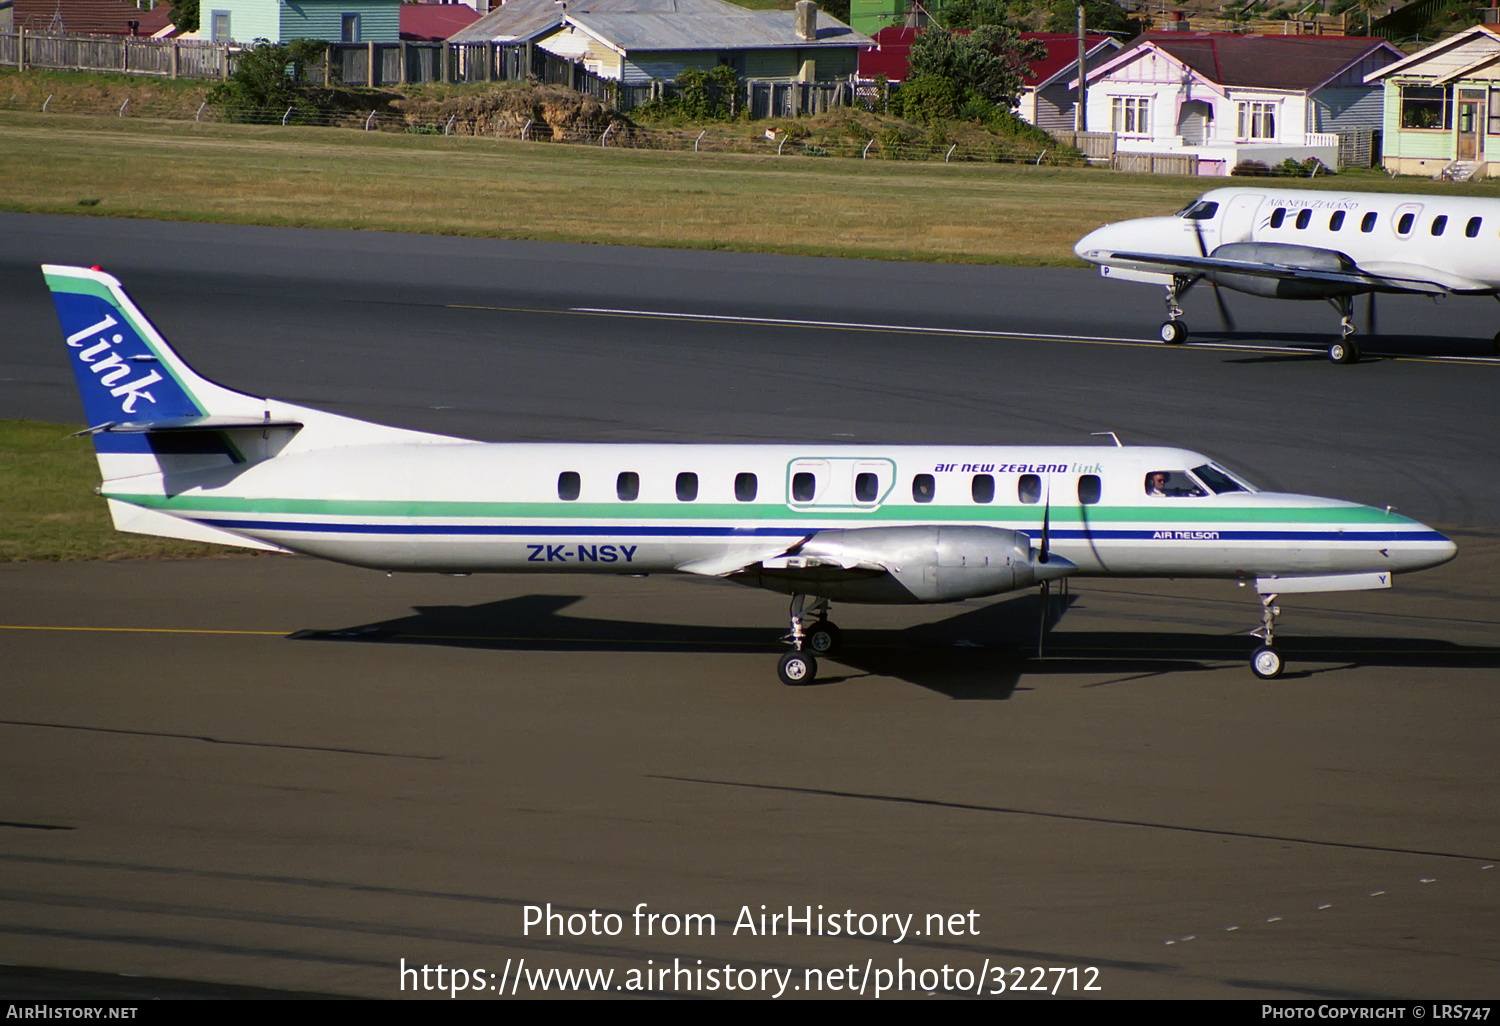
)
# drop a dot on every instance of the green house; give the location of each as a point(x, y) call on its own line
point(1442, 107)
point(347, 21)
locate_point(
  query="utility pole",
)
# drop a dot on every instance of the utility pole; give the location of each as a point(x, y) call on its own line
point(1080, 111)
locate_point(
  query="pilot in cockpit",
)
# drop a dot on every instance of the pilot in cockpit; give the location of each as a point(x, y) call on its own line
point(1166, 484)
point(1156, 483)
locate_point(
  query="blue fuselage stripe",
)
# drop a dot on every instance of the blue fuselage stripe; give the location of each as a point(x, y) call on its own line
point(698, 531)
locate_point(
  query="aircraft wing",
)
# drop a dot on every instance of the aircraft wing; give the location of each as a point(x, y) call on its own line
point(1385, 277)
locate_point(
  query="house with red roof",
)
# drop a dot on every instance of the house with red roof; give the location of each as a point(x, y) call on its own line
point(434, 22)
point(92, 17)
point(1226, 99)
point(1049, 92)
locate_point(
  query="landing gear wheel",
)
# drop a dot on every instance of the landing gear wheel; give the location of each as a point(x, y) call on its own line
point(1345, 350)
point(823, 638)
point(797, 668)
point(1174, 333)
point(1266, 663)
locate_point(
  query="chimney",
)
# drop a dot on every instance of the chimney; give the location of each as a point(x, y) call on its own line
point(807, 20)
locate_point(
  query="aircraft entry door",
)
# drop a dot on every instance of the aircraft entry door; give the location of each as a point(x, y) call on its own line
point(839, 483)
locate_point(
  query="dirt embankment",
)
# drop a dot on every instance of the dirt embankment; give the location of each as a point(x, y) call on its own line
point(506, 110)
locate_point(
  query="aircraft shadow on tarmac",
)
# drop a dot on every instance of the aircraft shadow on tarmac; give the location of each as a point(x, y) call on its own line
point(1316, 343)
point(978, 653)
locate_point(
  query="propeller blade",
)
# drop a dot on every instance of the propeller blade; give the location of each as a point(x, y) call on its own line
point(1224, 309)
point(1046, 527)
point(1370, 314)
point(1198, 234)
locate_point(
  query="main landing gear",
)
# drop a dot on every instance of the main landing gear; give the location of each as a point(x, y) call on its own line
point(1266, 662)
point(1346, 349)
point(812, 635)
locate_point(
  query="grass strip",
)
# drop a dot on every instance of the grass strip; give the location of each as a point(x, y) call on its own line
point(48, 509)
point(330, 178)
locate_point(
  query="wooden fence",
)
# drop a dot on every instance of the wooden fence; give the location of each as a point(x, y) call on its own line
point(1098, 146)
point(168, 58)
point(1156, 163)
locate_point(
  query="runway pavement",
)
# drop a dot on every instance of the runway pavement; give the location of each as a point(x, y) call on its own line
point(274, 773)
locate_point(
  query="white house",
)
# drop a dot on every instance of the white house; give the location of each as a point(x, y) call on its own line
point(1232, 98)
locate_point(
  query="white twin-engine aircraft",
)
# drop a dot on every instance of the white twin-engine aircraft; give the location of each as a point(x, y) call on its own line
point(183, 457)
point(1288, 244)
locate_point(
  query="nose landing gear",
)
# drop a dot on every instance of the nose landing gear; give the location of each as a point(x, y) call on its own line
point(1173, 331)
point(1266, 662)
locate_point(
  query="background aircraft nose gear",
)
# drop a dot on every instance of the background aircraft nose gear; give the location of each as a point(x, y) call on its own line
point(811, 635)
point(1346, 349)
point(1266, 662)
point(1174, 331)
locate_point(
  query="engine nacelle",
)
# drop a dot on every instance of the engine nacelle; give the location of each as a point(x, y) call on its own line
point(911, 564)
point(1309, 258)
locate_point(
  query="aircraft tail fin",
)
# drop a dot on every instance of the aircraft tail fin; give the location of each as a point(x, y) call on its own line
point(152, 415)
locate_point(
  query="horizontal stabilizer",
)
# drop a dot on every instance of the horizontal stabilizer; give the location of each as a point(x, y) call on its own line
point(205, 423)
point(1321, 582)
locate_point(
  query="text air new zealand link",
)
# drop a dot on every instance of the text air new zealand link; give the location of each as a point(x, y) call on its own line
point(807, 922)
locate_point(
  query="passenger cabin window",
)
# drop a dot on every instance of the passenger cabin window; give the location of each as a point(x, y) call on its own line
point(804, 486)
point(1171, 484)
point(1277, 217)
point(745, 487)
point(1367, 223)
point(1029, 489)
point(1304, 218)
point(687, 487)
point(1089, 489)
point(923, 488)
point(866, 487)
point(1471, 230)
point(628, 486)
point(568, 485)
point(1336, 221)
point(983, 488)
point(1403, 226)
point(1439, 223)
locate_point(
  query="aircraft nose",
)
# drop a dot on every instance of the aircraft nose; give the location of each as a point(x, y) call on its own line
point(1431, 548)
point(1091, 242)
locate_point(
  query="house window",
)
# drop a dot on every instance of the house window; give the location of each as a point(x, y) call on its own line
point(1494, 109)
point(219, 27)
point(1257, 121)
point(1426, 106)
point(1131, 115)
point(350, 29)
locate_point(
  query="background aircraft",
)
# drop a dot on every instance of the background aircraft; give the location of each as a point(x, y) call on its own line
point(1289, 244)
point(183, 457)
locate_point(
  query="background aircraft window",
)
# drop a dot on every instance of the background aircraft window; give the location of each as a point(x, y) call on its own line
point(1403, 226)
point(983, 488)
point(1304, 218)
point(866, 488)
point(1277, 216)
point(687, 486)
point(1471, 230)
point(922, 488)
point(1216, 479)
point(1367, 223)
point(1201, 211)
point(1336, 221)
point(1439, 223)
point(745, 487)
point(804, 487)
point(628, 486)
point(1089, 489)
point(1029, 489)
point(568, 485)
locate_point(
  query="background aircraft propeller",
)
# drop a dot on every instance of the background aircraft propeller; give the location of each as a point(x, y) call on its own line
point(1218, 297)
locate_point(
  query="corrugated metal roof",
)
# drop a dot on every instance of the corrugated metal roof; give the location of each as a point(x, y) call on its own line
point(660, 25)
